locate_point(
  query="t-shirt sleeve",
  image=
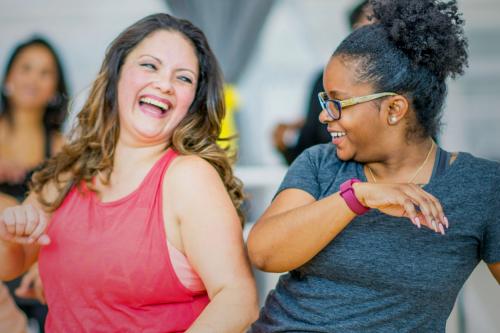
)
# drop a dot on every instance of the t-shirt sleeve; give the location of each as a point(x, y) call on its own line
point(490, 246)
point(302, 175)
point(490, 249)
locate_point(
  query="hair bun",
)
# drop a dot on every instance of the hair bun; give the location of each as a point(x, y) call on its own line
point(429, 32)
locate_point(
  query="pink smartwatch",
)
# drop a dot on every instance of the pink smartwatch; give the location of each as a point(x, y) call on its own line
point(347, 193)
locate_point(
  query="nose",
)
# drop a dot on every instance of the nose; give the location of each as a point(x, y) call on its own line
point(164, 84)
point(324, 118)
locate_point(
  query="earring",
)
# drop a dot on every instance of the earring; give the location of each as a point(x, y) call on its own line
point(393, 120)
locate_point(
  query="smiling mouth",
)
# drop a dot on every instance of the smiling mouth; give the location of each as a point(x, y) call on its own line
point(155, 104)
point(336, 135)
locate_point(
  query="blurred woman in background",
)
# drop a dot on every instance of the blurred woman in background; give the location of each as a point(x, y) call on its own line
point(32, 109)
point(33, 106)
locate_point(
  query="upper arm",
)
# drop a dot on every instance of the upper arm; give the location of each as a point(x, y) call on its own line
point(210, 229)
point(495, 270)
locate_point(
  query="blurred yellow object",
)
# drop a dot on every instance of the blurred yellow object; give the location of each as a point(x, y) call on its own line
point(229, 129)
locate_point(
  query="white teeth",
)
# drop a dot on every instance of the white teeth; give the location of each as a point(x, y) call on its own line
point(337, 134)
point(154, 102)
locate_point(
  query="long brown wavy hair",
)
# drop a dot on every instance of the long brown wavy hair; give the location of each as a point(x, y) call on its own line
point(93, 140)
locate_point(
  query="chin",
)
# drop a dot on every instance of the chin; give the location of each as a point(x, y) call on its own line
point(342, 155)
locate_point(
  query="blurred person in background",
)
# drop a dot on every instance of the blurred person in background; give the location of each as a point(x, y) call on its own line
point(32, 109)
point(33, 106)
point(136, 222)
point(12, 320)
point(347, 222)
point(291, 139)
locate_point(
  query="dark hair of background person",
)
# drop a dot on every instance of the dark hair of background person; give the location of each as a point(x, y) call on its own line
point(356, 13)
point(55, 111)
point(93, 139)
point(312, 132)
point(413, 60)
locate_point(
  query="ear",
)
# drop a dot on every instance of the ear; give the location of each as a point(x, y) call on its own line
point(394, 109)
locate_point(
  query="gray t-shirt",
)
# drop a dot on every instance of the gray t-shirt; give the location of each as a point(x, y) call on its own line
point(381, 273)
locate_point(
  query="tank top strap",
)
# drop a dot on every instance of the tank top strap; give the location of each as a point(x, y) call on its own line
point(155, 176)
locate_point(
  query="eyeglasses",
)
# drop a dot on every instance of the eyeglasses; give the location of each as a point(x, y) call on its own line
point(334, 106)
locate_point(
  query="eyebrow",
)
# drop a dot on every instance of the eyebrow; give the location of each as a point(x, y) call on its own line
point(338, 94)
point(158, 59)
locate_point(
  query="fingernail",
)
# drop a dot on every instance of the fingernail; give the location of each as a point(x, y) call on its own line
point(44, 240)
point(446, 221)
point(441, 229)
point(434, 225)
point(418, 222)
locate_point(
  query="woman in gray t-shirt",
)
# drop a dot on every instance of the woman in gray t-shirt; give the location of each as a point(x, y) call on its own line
point(380, 229)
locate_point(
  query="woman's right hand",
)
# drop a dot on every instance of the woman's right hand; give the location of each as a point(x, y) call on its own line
point(404, 200)
point(24, 224)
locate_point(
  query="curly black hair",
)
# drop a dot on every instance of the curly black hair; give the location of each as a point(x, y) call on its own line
point(411, 49)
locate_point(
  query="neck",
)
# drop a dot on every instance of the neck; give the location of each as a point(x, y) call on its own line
point(26, 117)
point(130, 157)
point(407, 163)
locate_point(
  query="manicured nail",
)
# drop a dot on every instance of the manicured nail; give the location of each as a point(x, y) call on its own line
point(441, 228)
point(446, 221)
point(44, 240)
point(434, 225)
point(417, 220)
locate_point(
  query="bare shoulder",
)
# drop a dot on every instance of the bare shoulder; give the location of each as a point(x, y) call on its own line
point(191, 180)
point(190, 169)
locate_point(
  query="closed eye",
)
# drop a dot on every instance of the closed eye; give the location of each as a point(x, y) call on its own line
point(149, 66)
point(185, 79)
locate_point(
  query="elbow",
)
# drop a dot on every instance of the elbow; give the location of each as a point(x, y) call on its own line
point(263, 259)
point(258, 256)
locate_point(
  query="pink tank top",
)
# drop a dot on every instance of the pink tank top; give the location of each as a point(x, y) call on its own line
point(108, 267)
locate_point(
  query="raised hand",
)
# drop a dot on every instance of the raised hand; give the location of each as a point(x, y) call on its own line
point(408, 200)
point(24, 224)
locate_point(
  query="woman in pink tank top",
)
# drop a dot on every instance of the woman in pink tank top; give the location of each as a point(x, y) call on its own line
point(136, 223)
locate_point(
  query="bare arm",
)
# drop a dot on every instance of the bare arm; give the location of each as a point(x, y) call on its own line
point(213, 243)
point(495, 270)
point(295, 217)
point(21, 234)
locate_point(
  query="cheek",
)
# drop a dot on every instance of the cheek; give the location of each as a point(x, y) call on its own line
point(127, 88)
point(49, 87)
point(185, 98)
